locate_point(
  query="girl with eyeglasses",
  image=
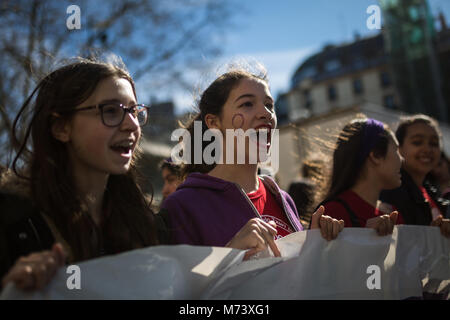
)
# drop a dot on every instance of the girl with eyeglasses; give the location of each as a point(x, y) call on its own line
point(79, 197)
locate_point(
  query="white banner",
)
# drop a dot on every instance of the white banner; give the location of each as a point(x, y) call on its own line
point(357, 265)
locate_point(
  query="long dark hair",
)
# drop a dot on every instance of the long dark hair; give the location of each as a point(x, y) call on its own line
point(211, 102)
point(129, 222)
point(352, 149)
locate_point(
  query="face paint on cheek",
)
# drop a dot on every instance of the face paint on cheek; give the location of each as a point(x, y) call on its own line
point(237, 121)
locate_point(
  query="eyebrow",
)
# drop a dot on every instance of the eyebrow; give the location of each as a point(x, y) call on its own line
point(248, 95)
point(116, 101)
point(169, 175)
point(420, 135)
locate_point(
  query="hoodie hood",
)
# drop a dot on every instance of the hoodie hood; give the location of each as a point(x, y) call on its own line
point(205, 181)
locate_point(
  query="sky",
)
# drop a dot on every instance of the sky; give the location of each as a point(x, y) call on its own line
point(282, 33)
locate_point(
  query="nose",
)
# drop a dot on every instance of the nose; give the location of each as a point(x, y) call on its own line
point(265, 113)
point(402, 160)
point(130, 123)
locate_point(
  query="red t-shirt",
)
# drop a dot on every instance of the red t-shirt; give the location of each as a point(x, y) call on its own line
point(435, 212)
point(361, 208)
point(269, 209)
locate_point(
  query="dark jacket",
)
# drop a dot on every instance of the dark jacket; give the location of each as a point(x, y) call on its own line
point(209, 211)
point(23, 230)
point(410, 202)
point(302, 192)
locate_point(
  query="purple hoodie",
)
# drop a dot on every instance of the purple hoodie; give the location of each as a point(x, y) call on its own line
point(209, 211)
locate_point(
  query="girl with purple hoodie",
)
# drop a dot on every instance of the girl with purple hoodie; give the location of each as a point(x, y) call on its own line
point(226, 203)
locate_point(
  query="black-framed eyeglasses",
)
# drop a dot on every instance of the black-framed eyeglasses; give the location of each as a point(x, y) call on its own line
point(112, 114)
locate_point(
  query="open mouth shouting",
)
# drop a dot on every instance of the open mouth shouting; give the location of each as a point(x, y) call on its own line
point(263, 136)
point(124, 148)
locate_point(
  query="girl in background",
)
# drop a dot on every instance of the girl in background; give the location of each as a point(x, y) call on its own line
point(366, 161)
point(420, 146)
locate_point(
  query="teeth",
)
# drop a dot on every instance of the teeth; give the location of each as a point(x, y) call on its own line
point(263, 130)
point(123, 145)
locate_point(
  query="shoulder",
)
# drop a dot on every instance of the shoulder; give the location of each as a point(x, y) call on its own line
point(182, 198)
point(23, 230)
point(14, 208)
point(334, 207)
point(10, 183)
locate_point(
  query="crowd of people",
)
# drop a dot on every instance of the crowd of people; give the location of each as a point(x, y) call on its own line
point(71, 193)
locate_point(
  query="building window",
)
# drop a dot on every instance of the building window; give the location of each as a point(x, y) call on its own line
point(332, 65)
point(307, 72)
point(332, 93)
point(389, 102)
point(308, 100)
point(385, 79)
point(357, 86)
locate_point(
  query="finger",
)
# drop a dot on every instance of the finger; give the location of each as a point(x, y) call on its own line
point(325, 227)
point(274, 248)
point(249, 253)
point(445, 228)
point(247, 236)
point(41, 274)
point(386, 224)
point(341, 225)
point(25, 279)
point(268, 237)
point(273, 224)
point(329, 222)
point(316, 217)
point(44, 269)
point(391, 224)
point(52, 264)
point(335, 228)
point(372, 222)
point(390, 227)
point(258, 242)
point(393, 217)
point(21, 274)
point(437, 222)
point(59, 254)
point(381, 226)
point(270, 226)
point(14, 275)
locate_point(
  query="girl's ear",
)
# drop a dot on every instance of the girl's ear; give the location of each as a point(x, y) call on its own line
point(401, 151)
point(60, 128)
point(374, 159)
point(212, 121)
